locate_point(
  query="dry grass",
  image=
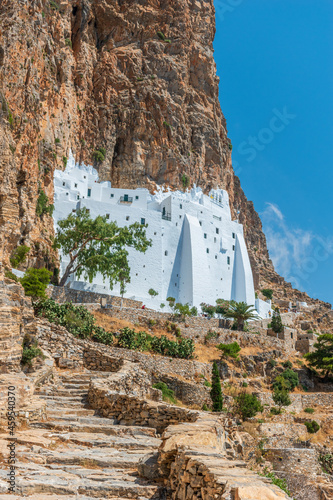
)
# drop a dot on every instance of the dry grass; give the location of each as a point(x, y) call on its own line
point(89, 463)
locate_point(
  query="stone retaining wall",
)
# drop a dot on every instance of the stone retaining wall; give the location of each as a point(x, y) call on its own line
point(64, 294)
point(322, 400)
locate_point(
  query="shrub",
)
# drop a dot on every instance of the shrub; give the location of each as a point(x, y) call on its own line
point(11, 276)
point(167, 394)
point(287, 364)
point(287, 380)
point(309, 410)
point(54, 5)
point(208, 309)
point(268, 293)
point(230, 146)
point(272, 363)
point(35, 282)
point(185, 181)
point(43, 206)
point(245, 384)
point(247, 405)
point(205, 407)
point(183, 348)
point(171, 301)
point(57, 140)
point(29, 353)
point(68, 42)
point(275, 411)
point(312, 426)
point(64, 160)
point(326, 462)
point(281, 483)
point(76, 319)
point(216, 391)
point(211, 334)
point(99, 155)
point(231, 350)
point(151, 322)
point(19, 255)
point(152, 292)
point(184, 310)
point(162, 306)
point(207, 383)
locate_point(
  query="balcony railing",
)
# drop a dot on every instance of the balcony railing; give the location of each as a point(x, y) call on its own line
point(126, 199)
point(166, 216)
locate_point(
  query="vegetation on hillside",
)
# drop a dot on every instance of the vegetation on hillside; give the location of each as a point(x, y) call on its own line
point(322, 357)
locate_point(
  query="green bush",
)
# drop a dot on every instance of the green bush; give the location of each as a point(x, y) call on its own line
point(309, 410)
point(276, 324)
point(272, 363)
point(54, 5)
point(76, 319)
point(207, 383)
point(216, 391)
point(68, 42)
point(230, 146)
point(208, 309)
point(167, 394)
point(326, 462)
point(312, 426)
point(57, 140)
point(11, 276)
point(275, 411)
point(99, 155)
point(35, 282)
point(43, 206)
point(185, 181)
point(211, 334)
point(281, 483)
point(152, 292)
point(19, 255)
point(287, 380)
point(205, 407)
point(245, 384)
point(231, 350)
point(287, 364)
point(247, 405)
point(29, 354)
point(183, 348)
point(268, 293)
point(281, 397)
point(160, 35)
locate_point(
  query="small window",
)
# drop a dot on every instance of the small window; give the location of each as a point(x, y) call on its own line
point(143, 221)
point(84, 177)
point(217, 231)
point(108, 216)
point(205, 236)
point(180, 206)
point(207, 250)
point(176, 223)
point(214, 240)
point(127, 217)
point(180, 216)
point(136, 197)
point(64, 183)
point(233, 247)
point(89, 193)
point(66, 194)
point(228, 261)
point(166, 252)
point(78, 197)
point(175, 284)
point(200, 222)
point(215, 256)
point(75, 185)
point(155, 234)
point(111, 195)
point(233, 235)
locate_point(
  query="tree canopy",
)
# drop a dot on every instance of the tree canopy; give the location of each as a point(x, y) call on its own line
point(241, 312)
point(98, 246)
point(322, 357)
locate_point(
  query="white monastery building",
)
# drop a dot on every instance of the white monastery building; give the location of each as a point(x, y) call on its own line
point(198, 253)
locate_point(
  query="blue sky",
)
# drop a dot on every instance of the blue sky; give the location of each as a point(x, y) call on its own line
point(274, 59)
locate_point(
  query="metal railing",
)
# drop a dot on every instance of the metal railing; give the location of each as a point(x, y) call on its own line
point(166, 216)
point(126, 199)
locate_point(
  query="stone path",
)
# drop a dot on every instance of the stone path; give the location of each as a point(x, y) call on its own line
point(76, 454)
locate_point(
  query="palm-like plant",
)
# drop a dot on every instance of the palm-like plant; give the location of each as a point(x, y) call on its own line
point(241, 312)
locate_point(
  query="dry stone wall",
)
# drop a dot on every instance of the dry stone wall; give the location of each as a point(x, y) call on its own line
point(323, 400)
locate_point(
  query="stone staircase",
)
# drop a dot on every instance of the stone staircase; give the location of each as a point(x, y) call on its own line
point(76, 454)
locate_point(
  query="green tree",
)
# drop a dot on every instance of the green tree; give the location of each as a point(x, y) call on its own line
point(287, 380)
point(124, 277)
point(216, 391)
point(97, 245)
point(281, 398)
point(241, 312)
point(184, 310)
point(35, 282)
point(276, 323)
point(247, 405)
point(322, 357)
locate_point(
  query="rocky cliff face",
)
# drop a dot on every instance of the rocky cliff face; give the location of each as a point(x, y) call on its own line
point(129, 86)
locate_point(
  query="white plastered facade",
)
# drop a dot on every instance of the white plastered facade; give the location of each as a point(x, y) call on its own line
point(198, 253)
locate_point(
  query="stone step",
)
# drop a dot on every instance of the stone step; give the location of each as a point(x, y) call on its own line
point(62, 392)
point(119, 441)
point(61, 400)
point(72, 426)
point(69, 411)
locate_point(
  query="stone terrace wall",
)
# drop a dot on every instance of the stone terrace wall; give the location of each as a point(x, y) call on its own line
point(322, 400)
point(190, 393)
point(64, 294)
point(302, 460)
